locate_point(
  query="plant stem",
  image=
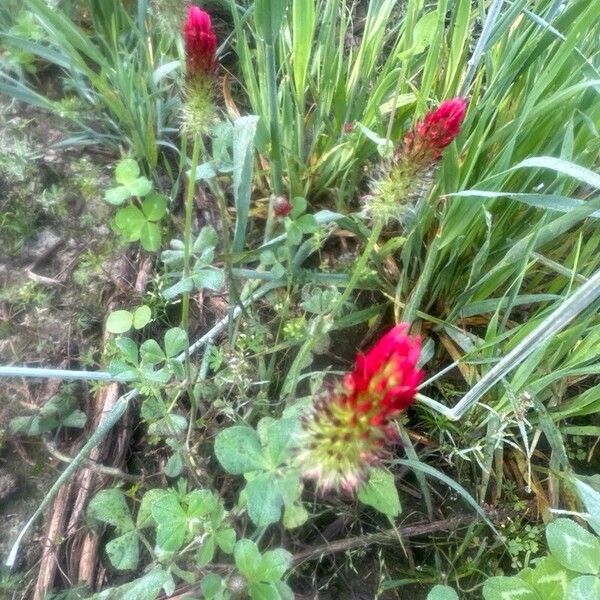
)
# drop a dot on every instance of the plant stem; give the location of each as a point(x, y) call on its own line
point(388, 536)
point(412, 305)
point(482, 42)
point(360, 266)
point(276, 167)
point(10, 371)
point(187, 232)
point(316, 336)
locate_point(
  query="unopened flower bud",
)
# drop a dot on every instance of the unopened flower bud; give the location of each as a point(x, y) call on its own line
point(281, 206)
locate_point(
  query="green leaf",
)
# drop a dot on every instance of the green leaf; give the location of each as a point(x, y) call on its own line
point(121, 369)
point(563, 204)
point(380, 492)
point(174, 466)
point(591, 500)
point(306, 223)
point(298, 207)
point(290, 485)
point(141, 317)
point(238, 450)
point(210, 279)
point(150, 237)
point(442, 592)
point(573, 546)
point(508, 588)
point(206, 552)
point(225, 538)
point(201, 503)
point(154, 206)
point(273, 565)
point(129, 222)
point(109, 506)
point(268, 17)
point(424, 31)
point(265, 500)
point(153, 408)
point(76, 419)
point(244, 130)
point(119, 321)
point(263, 591)
point(185, 285)
point(247, 558)
point(176, 342)
point(211, 585)
point(129, 349)
point(170, 425)
point(294, 515)
point(303, 29)
point(206, 240)
point(151, 352)
point(124, 551)
point(217, 515)
point(144, 516)
point(171, 522)
point(127, 171)
point(117, 195)
point(147, 587)
point(586, 587)
point(31, 426)
point(280, 437)
point(140, 187)
point(284, 590)
point(549, 578)
point(278, 270)
point(561, 166)
point(294, 233)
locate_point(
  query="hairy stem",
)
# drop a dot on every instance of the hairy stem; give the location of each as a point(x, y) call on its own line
point(187, 232)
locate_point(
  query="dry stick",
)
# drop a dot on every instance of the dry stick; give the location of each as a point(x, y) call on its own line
point(90, 464)
point(382, 537)
point(48, 563)
point(85, 484)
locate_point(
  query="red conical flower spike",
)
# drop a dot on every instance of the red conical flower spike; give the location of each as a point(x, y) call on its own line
point(346, 430)
point(408, 176)
point(200, 43)
point(436, 131)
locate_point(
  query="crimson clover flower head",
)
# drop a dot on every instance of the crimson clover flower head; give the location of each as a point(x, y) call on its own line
point(200, 43)
point(347, 428)
point(406, 178)
point(436, 130)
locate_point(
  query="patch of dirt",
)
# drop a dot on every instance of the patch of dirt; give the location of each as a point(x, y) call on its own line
point(58, 258)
